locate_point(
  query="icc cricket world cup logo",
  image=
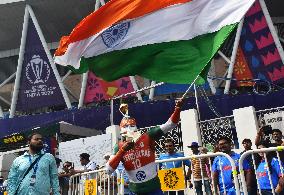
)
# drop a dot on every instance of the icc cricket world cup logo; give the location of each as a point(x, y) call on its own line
point(37, 70)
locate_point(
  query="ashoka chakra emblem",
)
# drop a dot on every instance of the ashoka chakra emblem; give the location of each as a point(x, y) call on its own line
point(113, 36)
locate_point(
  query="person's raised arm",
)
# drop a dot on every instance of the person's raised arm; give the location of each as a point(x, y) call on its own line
point(172, 122)
point(259, 137)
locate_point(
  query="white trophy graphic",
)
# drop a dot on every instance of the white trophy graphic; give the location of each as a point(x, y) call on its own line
point(37, 65)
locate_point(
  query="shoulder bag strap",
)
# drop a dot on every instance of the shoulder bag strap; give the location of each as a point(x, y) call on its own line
point(27, 171)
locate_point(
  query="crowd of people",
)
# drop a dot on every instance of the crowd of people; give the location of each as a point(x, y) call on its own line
point(36, 172)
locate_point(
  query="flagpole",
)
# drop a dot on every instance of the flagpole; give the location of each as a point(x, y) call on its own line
point(83, 89)
point(85, 75)
point(233, 57)
point(52, 64)
point(189, 88)
point(152, 91)
point(196, 101)
point(20, 64)
point(272, 29)
point(135, 87)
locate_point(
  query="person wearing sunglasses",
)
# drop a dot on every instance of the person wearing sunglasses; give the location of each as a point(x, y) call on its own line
point(64, 177)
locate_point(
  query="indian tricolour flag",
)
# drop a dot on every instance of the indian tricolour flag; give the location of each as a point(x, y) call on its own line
point(163, 40)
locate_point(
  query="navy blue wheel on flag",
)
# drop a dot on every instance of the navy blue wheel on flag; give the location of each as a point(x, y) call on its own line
point(115, 34)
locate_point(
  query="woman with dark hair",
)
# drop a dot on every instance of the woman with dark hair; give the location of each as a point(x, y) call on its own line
point(264, 168)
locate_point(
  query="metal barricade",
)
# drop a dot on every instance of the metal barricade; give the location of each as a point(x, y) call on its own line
point(191, 190)
point(97, 180)
point(105, 184)
point(265, 151)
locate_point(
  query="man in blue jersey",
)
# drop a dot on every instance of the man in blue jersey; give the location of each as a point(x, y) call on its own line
point(171, 153)
point(222, 168)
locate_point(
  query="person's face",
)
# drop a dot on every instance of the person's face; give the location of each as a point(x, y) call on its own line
point(83, 161)
point(224, 146)
point(261, 154)
point(66, 167)
point(276, 136)
point(247, 145)
point(194, 150)
point(36, 143)
point(169, 147)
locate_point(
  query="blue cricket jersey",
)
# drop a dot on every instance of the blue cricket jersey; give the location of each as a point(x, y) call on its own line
point(262, 174)
point(221, 162)
point(173, 164)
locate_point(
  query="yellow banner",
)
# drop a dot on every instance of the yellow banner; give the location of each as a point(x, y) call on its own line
point(172, 179)
point(91, 187)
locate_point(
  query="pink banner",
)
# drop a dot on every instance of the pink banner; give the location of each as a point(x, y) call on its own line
point(98, 89)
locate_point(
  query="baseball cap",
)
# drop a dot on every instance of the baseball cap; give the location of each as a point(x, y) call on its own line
point(193, 145)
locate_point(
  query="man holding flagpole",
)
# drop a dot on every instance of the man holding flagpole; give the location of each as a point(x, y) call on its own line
point(137, 153)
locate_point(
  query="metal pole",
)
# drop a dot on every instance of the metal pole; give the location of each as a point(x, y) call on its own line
point(272, 29)
point(111, 112)
point(224, 57)
point(83, 89)
point(5, 101)
point(71, 93)
point(85, 75)
point(44, 44)
point(136, 91)
point(7, 80)
point(1, 113)
point(210, 80)
point(65, 76)
point(152, 91)
point(20, 64)
point(234, 56)
point(196, 101)
point(135, 87)
point(183, 96)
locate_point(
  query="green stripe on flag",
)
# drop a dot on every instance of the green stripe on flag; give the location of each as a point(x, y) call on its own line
point(173, 62)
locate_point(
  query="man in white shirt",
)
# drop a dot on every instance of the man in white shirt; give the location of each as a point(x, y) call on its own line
point(87, 165)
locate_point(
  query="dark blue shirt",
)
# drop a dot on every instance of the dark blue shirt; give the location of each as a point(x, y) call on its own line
point(262, 174)
point(173, 164)
point(222, 161)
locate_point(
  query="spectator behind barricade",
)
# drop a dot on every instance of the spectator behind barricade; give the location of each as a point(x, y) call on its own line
point(58, 161)
point(273, 168)
point(86, 163)
point(34, 172)
point(267, 130)
point(247, 143)
point(64, 177)
point(106, 159)
point(171, 153)
point(198, 171)
point(222, 168)
point(264, 132)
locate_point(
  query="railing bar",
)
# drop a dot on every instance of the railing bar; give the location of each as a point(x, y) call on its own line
point(269, 174)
